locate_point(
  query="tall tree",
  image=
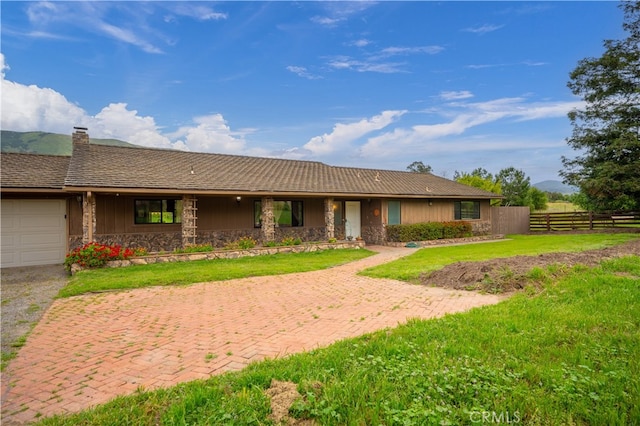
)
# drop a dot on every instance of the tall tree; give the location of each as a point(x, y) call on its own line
point(419, 167)
point(515, 187)
point(607, 129)
point(537, 199)
point(480, 178)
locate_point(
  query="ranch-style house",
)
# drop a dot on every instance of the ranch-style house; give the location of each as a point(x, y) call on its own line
point(163, 199)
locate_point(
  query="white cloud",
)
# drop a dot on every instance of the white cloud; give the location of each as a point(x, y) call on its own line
point(347, 63)
point(462, 117)
point(28, 108)
point(455, 95)
point(482, 66)
point(198, 11)
point(211, 134)
point(344, 134)
point(338, 11)
point(32, 108)
point(302, 72)
point(127, 36)
point(376, 62)
point(3, 65)
point(117, 122)
point(399, 50)
point(326, 21)
point(44, 12)
point(483, 29)
point(363, 42)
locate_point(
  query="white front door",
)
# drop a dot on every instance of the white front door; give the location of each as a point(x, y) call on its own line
point(352, 216)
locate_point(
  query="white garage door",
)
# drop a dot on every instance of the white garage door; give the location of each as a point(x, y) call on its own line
point(34, 232)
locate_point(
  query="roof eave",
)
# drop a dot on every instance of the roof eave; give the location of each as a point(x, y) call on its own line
point(245, 193)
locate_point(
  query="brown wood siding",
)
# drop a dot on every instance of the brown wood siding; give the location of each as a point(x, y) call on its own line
point(313, 212)
point(114, 215)
point(218, 213)
point(75, 216)
point(419, 211)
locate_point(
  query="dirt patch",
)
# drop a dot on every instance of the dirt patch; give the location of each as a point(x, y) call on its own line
point(501, 275)
point(282, 395)
point(27, 292)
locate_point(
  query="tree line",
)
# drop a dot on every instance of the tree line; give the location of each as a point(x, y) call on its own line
point(511, 183)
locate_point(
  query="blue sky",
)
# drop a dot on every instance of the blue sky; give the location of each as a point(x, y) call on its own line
point(456, 85)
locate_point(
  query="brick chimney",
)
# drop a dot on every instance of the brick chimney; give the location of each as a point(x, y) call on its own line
point(80, 135)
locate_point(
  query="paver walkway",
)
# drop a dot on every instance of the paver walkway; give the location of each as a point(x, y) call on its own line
point(88, 349)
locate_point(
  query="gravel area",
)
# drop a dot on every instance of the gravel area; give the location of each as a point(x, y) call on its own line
point(26, 294)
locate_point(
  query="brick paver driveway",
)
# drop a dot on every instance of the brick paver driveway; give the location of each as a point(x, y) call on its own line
point(88, 349)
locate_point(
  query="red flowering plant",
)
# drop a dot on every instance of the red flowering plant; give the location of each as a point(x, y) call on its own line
point(95, 255)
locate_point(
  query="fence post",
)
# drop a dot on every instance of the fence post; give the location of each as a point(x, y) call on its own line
point(548, 222)
point(591, 220)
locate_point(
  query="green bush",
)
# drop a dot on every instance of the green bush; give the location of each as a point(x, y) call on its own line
point(246, 243)
point(456, 229)
point(427, 231)
point(291, 241)
point(194, 248)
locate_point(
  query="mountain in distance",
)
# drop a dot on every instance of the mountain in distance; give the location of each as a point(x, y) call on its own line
point(46, 143)
point(555, 186)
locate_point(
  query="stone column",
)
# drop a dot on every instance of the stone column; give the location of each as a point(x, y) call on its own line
point(268, 220)
point(329, 218)
point(189, 220)
point(88, 217)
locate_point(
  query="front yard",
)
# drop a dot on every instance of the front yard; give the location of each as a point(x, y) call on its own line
point(567, 353)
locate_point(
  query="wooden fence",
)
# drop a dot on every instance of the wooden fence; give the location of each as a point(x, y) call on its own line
point(510, 220)
point(582, 220)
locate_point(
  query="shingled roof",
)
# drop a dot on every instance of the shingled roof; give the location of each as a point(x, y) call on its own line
point(95, 167)
point(23, 172)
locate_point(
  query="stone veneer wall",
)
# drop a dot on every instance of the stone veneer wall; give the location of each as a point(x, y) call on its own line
point(305, 234)
point(447, 241)
point(374, 234)
point(228, 254)
point(169, 241)
point(481, 227)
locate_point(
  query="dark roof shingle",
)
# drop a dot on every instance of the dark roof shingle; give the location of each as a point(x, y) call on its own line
point(101, 166)
point(33, 171)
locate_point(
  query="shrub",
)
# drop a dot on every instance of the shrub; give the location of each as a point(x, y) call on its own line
point(194, 248)
point(246, 243)
point(428, 231)
point(95, 255)
point(291, 241)
point(457, 229)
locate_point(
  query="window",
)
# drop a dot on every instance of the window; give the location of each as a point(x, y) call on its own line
point(158, 211)
point(285, 213)
point(394, 213)
point(338, 213)
point(467, 210)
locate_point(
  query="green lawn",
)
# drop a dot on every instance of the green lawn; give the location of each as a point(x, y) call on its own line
point(181, 273)
point(569, 354)
point(429, 259)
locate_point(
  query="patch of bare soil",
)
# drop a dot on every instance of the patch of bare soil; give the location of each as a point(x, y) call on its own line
point(282, 395)
point(27, 292)
point(502, 275)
